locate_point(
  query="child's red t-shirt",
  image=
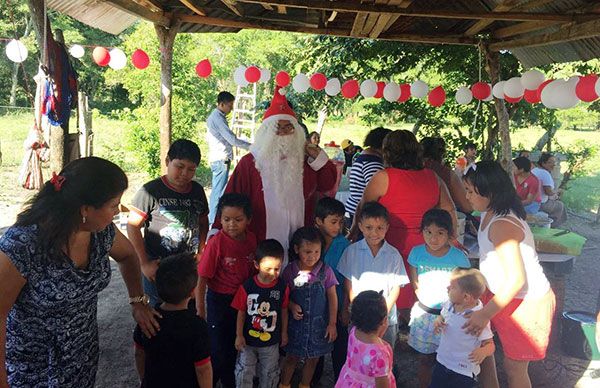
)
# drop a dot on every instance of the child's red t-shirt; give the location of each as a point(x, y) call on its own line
point(227, 263)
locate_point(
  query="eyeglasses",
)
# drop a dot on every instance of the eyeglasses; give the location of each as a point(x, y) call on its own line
point(285, 129)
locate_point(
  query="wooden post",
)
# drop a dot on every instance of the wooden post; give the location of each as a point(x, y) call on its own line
point(492, 66)
point(166, 38)
point(85, 125)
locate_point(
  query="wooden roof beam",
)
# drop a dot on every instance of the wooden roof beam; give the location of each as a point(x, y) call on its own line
point(506, 5)
point(152, 5)
point(281, 9)
point(521, 28)
point(234, 7)
point(574, 32)
point(142, 12)
point(190, 5)
point(346, 6)
point(431, 39)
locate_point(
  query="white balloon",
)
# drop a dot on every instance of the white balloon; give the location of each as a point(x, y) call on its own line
point(333, 87)
point(300, 83)
point(532, 79)
point(560, 94)
point(391, 92)
point(513, 87)
point(498, 90)
point(464, 95)
point(265, 75)
point(419, 89)
point(118, 60)
point(16, 51)
point(239, 76)
point(368, 88)
point(77, 51)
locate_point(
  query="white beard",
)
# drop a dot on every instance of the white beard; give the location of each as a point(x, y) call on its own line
point(280, 161)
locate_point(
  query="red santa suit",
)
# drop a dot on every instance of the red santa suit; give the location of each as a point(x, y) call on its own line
point(270, 219)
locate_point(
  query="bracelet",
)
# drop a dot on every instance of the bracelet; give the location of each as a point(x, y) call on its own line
point(143, 299)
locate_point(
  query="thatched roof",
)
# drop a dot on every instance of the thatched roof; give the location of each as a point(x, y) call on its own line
point(537, 32)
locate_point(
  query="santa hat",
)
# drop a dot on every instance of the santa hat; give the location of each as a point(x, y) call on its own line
point(279, 108)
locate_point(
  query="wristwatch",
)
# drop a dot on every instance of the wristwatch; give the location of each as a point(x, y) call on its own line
point(143, 299)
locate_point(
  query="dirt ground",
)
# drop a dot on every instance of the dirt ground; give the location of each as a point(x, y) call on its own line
point(116, 365)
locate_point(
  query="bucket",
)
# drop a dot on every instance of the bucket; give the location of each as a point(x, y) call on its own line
point(578, 337)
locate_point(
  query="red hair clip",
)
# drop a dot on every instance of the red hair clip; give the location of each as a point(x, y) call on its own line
point(57, 181)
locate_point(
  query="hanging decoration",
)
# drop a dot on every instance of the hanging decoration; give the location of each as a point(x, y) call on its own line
point(586, 88)
point(101, 56)
point(318, 81)
point(204, 68)
point(77, 51)
point(300, 83)
point(265, 75)
point(368, 88)
point(139, 59)
point(118, 60)
point(350, 88)
point(239, 76)
point(282, 79)
point(498, 90)
point(463, 95)
point(380, 87)
point(419, 89)
point(252, 74)
point(404, 93)
point(532, 79)
point(16, 51)
point(512, 100)
point(437, 96)
point(333, 87)
point(391, 92)
point(513, 88)
point(531, 96)
point(481, 90)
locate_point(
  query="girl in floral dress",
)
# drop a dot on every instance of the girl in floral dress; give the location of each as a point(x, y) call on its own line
point(370, 359)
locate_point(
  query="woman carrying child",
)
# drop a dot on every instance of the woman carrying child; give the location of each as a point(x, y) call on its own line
point(519, 301)
point(312, 306)
point(430, 267)
point(370, 359)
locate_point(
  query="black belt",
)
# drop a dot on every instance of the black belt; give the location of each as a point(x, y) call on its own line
point(429, 310)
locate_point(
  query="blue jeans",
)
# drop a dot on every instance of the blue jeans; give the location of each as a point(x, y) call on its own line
point(220, 173)
point(267, 359)
point(532, 208)
point(443, 377)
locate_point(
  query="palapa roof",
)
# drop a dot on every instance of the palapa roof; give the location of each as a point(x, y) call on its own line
point(537, 32)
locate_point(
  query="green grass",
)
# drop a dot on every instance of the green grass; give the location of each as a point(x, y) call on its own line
point(582, 194)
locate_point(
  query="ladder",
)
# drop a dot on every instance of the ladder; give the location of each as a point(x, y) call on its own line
point(243, 117)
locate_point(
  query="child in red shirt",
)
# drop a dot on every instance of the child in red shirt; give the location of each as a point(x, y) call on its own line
point(226, 263)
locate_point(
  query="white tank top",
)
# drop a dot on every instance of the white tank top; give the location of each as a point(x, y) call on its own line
point(536, 284)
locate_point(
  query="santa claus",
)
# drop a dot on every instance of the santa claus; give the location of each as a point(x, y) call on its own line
point(281, 174)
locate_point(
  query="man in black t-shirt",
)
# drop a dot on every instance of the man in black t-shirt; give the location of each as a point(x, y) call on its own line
point(173, 212)
point(179, 355)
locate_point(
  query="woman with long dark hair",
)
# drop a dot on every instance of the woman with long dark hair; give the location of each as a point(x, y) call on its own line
point(53, 263)
point(519, 301)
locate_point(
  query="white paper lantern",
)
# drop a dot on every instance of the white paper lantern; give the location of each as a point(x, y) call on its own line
point(498, 90)
point(464, 95)
point(118, 60)
point(300, 83)
point(419, 89)
point(333, 87)
point(560, 94)
point(532, 79)
point(265, 75)
point(16, 51)
point(239, 76)
point(513, 87)
point(368, 88)
point(77, 51)
point(391, 92)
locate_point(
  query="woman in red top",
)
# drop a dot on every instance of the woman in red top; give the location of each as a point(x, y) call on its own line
point(407, 190)
point(527, 185)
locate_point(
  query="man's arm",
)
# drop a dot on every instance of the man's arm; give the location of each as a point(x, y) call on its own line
point(221, 128)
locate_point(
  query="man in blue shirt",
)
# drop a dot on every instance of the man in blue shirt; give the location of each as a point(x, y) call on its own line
point(221, 141)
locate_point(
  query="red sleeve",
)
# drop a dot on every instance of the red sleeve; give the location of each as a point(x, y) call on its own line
point(286, 298)
point(208, 261)
point(239, 301)
point(326, 177)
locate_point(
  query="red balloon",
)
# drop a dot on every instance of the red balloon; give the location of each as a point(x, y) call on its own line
point(350, 88)
point(541, 87)
point(481, 90)
point(404, 93)
point(140, 59)
point(437, 96)
point(318, 81)
point(586, 88)
point(380, 87)
point(101, 56)
point(204, 68)
point(282, 79)
point(512, 100)
point(252, 74)
point(532, 96)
